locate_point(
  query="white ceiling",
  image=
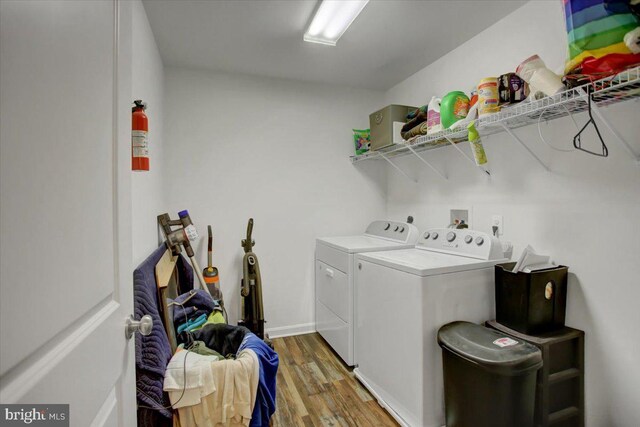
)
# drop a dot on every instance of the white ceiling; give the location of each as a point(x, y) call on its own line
point(388, 42)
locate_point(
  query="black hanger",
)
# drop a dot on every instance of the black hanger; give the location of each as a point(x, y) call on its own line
point(577, 143)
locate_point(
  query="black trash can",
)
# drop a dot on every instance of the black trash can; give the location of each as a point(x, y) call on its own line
point(489, 378)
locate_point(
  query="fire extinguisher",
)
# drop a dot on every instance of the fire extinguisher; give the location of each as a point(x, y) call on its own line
point(139, 137)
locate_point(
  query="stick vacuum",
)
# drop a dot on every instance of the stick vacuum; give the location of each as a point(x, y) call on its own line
point(183, 235)
point(251, 288)
point(210, 273)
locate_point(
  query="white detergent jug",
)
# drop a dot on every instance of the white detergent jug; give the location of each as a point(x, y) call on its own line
point(433, 116)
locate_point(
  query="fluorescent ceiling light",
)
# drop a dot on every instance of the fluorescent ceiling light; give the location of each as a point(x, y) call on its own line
point(332, 19)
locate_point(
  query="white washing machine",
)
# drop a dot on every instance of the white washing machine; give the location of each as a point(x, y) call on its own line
point(334, 278)
point(403, 298)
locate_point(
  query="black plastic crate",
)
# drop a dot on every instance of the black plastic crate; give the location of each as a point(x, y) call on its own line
point(531, 303)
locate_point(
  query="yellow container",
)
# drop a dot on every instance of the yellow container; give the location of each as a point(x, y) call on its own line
point(488, 96)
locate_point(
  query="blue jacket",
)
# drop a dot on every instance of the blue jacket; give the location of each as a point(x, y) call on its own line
point(266, 396)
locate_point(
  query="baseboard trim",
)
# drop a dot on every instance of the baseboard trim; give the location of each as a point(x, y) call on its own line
point(287, 331)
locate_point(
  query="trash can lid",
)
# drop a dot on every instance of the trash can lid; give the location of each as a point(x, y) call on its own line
point(489, 349)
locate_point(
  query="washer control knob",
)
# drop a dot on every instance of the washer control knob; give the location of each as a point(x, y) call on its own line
point(427, 234)
point(468, 239)
point(434, 235)
point(388, 226)
point(397, 228)
point(479, 240)
point(402, 229)
point(451, 236)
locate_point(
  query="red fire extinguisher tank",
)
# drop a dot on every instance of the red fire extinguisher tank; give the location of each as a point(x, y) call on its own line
point(139, 137)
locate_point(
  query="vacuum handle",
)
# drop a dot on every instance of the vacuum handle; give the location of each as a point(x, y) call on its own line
point(249, 229)
point(210, 247)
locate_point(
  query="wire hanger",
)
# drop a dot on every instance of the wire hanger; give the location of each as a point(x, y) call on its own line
point(577, 142)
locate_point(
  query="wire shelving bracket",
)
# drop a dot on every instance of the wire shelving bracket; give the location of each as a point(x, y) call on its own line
point(615, 133)
point(465, 156)
point(521, 142)
point(443, 176)
point(396, 167)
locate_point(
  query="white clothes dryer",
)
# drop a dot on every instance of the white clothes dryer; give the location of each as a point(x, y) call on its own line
point(403, 297)
point(334, 267)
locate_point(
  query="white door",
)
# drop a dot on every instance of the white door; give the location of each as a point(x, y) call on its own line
point(65, 272)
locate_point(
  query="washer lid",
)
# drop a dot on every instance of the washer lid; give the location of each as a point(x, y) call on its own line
point(355, 244)
point(423, 262)
point(489, 349)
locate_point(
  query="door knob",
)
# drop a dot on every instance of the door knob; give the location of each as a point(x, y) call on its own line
point(144, 326)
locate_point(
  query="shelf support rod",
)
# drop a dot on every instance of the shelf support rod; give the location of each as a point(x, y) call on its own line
point(517, 139)
point(426, 162)
point(465, 155)
point(396, 167)
point(615, 133)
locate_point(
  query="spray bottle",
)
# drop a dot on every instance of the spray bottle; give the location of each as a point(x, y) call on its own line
point(476, 145)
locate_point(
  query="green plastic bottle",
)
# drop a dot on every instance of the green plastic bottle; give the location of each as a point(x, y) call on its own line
point(454, 107)
point(476, 145)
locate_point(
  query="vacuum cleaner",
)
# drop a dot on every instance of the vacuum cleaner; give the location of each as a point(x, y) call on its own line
point(251, 289)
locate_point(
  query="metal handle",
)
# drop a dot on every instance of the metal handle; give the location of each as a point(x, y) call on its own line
point(328, 272)
point(144, 326)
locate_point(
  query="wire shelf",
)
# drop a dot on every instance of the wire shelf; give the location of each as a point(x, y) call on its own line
point(606, 91)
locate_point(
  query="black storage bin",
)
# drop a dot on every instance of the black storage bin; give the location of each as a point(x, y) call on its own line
point(489, 378)
point(531, 303)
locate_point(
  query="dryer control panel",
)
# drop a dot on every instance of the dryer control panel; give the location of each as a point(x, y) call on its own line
point(465, 242)
point(402, 232)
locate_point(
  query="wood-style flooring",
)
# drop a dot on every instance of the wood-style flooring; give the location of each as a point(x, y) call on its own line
point(315, 388)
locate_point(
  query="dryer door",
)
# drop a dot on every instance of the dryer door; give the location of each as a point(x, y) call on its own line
point(332, 289)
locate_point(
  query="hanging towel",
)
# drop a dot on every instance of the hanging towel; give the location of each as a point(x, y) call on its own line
point(153, 351)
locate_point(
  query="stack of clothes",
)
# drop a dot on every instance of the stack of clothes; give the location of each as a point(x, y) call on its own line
point(195, 309)
point(222, 375)
point(416, 125)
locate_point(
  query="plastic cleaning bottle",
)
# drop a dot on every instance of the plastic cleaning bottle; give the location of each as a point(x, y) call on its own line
point(433, 116)
point(476, 145)
point(454, 107)
point(488, 96)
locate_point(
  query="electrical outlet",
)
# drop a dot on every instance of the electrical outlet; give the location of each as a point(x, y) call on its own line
point(497, 221)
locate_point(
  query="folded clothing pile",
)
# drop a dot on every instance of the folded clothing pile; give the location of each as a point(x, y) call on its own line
point(194, 309)
point(417, 124)
point(237, 391)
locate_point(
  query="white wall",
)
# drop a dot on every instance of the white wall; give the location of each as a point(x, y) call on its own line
point(148, 193)
point(277, 151)
point(584, 212)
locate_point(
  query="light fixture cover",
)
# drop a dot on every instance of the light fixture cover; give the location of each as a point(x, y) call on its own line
point(332, 19)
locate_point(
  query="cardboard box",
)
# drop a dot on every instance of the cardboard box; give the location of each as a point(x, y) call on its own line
point(382, 127)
